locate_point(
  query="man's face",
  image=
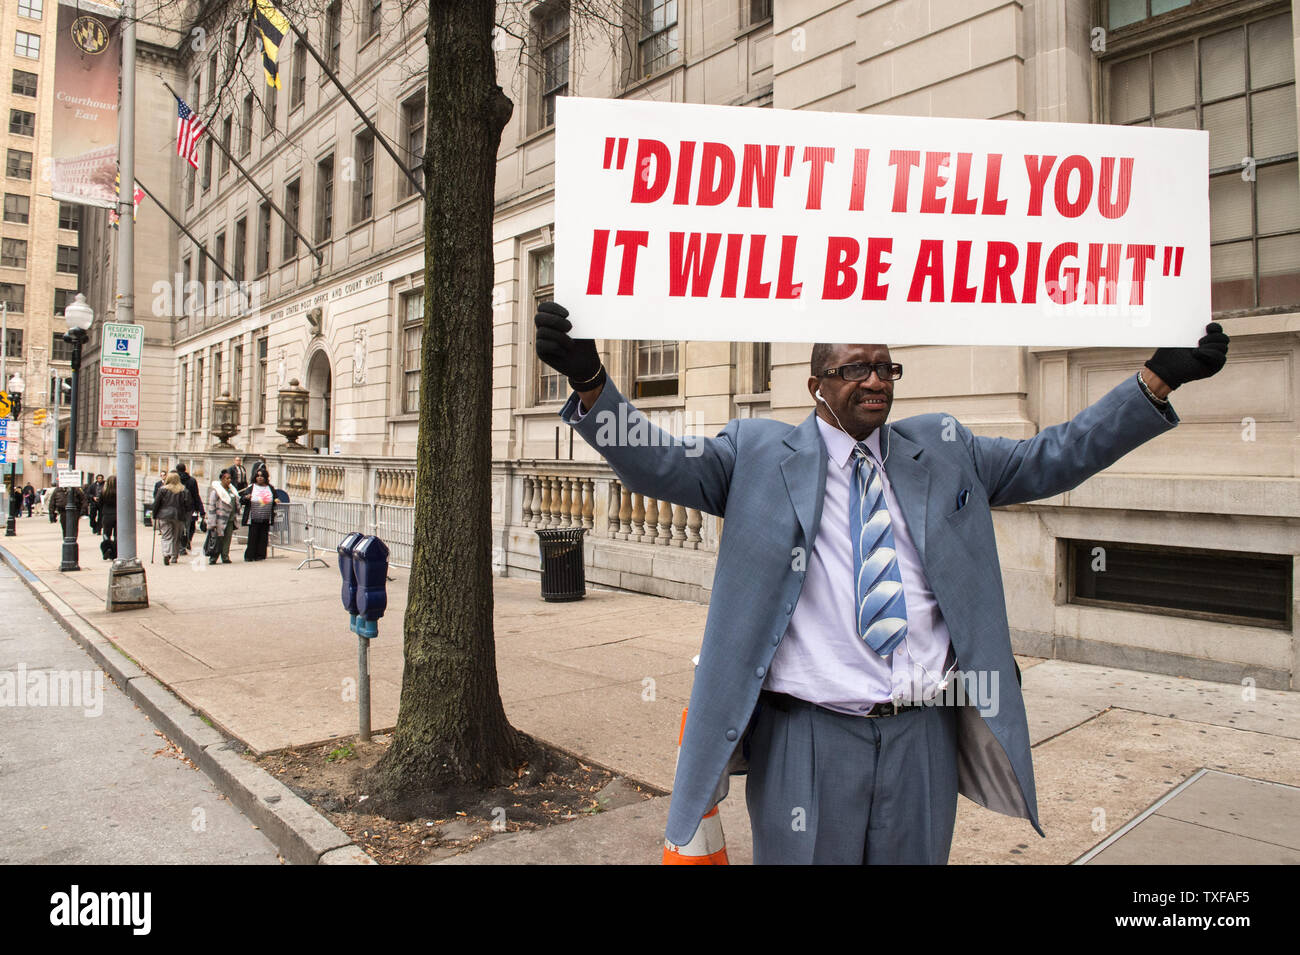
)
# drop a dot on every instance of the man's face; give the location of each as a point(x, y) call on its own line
point(238, 459)
point(861, 406)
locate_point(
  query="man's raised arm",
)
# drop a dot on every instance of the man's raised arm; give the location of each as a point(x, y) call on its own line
point(692, 472)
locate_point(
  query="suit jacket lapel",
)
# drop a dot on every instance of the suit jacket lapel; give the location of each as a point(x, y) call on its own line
point(805, 476)
point(910, 480)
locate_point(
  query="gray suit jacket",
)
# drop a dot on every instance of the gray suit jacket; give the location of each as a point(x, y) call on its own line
point(767, 479)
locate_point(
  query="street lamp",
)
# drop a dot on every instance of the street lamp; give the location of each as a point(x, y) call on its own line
point(79, 316)
point(16, 386)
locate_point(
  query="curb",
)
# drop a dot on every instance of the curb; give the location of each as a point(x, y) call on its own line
point(303, 835)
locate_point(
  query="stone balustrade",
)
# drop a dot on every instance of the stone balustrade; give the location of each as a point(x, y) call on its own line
point(395, 486)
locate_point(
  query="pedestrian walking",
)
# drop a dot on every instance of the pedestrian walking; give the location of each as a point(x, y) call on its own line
point(92, 491)
point(108, 518)
point(171, 511)
point(29, 498)
point(223, 505)
point(260, 498)
point(238, 474)
point(196, 511)
point(58, 506)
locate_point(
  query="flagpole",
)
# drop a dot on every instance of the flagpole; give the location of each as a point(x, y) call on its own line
point(188, 234)
point(244, 172)
point(127, 587)
point(379, 137)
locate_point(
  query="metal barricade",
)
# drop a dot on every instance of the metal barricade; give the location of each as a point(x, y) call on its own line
point(331, 521)
point(395, 525)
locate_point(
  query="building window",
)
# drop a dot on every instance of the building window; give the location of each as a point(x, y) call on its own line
point(212, 75)
point(22, 123)
point(13, 253)
point(185, 391)
point(28, 45)
point(69, 216)
point(658, 44)
point(187, 296)
point(201, 280)
point(269, 99)
point(259, 383)
point(30, 8)
point(656, 369)
point(227, 140)
point(333, 33)
point(241, 250)
point(62, 297)
point(14, 342)
point(207, 165)
point(232, 48)
point(69, 260)
point(17, 208)
point(216, 375)
point(13, 296)
point(412, 312)
point(197, 405)
point(220, 255)
point(18, 164)
point(191, 177)
point(298, 85)
point(263, 239)
point(1239, 84)
point(363, 206)
point(759, 10)
point(761, 369)
point(374, 15)
point(325, 198)
point(551, 28)
point(246, 127)
point(550, 385)
point(1227, 586)
point(413, 116)
point(24, 83)
point(292, 204)
point(60, 349)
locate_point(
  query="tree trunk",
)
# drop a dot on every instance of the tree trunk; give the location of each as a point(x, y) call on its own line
point(451, 727)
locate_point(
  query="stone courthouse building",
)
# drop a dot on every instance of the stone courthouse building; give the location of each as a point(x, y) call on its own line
point(1199, 529)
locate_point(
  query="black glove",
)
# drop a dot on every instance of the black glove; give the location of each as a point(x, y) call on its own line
point(576, 359)
point(203, 524)
point(1177, 366)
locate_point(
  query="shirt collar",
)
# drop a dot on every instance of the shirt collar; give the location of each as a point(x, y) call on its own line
point(839, 446)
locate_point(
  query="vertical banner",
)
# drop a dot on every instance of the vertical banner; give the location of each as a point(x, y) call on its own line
point(683, 221)
point(87, 59)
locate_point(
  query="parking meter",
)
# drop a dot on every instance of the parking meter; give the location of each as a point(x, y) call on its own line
point(349, 579)
point(370, 568)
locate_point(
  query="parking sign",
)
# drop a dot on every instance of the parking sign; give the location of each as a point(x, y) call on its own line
point(121, 350)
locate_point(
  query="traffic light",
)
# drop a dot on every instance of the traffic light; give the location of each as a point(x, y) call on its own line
point(38, 418)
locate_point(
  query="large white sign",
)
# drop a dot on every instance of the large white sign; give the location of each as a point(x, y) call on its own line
point(680, 221)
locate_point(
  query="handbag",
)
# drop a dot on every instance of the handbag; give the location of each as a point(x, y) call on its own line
point(212, 544)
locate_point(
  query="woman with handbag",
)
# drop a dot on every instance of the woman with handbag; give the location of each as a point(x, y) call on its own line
point(223, 503)
point(171, 512)
point(260, 498)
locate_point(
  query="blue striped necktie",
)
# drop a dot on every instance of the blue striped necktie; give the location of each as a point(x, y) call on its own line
point(878, 590)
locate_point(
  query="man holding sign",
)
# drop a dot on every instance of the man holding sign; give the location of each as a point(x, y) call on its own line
point(857, 653)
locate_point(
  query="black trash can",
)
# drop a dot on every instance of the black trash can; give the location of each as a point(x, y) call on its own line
point(563, 577)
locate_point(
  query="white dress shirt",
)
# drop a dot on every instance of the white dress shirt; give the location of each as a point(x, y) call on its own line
point(821, 658)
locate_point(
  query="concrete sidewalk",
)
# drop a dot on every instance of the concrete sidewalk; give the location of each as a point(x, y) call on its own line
point(263, 650)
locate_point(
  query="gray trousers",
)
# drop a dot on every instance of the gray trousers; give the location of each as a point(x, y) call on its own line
point(851, 790)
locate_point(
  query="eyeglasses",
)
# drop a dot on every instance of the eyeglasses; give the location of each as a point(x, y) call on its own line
point(861, 371)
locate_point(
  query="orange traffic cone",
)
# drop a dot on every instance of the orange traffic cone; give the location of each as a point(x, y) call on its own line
point(708, 846)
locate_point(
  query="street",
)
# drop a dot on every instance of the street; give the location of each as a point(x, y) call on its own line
point(84, 779)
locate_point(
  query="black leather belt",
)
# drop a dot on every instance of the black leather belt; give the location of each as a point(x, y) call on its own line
point(785, 702)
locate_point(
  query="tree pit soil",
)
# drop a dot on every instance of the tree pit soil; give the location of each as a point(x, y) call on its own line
point(551, 788)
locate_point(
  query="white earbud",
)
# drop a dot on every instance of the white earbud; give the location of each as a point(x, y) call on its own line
point(820, 398)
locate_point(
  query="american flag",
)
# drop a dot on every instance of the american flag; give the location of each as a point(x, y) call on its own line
point(189, 127)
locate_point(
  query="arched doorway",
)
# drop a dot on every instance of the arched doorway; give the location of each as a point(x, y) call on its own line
point(319, 384)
